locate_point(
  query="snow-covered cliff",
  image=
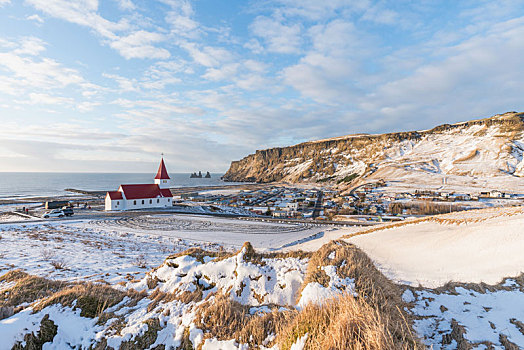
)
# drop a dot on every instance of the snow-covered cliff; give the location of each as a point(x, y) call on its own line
point(486, 147)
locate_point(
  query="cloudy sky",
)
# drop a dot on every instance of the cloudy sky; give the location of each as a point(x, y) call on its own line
point(107, 86)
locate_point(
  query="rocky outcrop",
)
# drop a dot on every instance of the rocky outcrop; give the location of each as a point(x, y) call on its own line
point(485, 147)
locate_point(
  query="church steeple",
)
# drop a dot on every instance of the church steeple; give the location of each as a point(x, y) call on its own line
point(162, 178)
point(162, 171)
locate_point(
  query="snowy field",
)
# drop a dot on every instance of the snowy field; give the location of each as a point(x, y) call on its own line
point(490, 317)
point(480, 251)
point(178, 293)
point(465, 248)
point(8, 217)
point(92, 249)
point(470, 246)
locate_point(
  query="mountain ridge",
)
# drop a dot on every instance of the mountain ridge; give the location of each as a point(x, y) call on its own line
point(486, 147)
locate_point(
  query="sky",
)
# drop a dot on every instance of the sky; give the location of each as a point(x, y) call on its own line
point(108, 86)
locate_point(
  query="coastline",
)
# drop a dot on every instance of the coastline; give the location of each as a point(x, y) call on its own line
point(95, 197)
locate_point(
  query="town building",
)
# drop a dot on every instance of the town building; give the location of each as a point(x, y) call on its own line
point(142, 196)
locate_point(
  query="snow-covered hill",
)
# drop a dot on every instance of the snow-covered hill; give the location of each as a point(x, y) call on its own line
point(470, 247)
point(463, 273)
point(485, 148)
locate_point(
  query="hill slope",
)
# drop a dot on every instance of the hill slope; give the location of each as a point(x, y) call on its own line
point(470, 246)
point(490, 147)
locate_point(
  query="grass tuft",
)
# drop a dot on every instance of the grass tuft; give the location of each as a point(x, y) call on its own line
point(91, 298)
point(221, 317)
point(373, 320)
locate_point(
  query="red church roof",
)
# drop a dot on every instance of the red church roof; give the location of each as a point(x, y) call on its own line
point(144, 191)
point(162, 171)
point(166, 192)
point(114, 195)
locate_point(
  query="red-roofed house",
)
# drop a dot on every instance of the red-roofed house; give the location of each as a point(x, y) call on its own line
point(142, 196)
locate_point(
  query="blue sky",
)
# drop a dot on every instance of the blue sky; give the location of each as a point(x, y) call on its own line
point(107, 86)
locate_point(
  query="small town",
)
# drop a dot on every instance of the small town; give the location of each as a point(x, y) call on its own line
point(370, 202)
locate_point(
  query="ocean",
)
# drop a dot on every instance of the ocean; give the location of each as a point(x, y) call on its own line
point(25, 185)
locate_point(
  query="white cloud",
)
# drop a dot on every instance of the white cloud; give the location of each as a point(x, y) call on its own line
point(253, 82)
point(43, 73)
point(255, 66)
point(180, 20)
point(135, 44)
point(87, 106)
point(316, 10)
point(4, 2)
point(221, 87)
point(35, 18)
point(279, 38)
point(327, 72)
point(163, 73)
point(226, 72)
point(30, 46)
point(126, 4)
point(254, 45)
point(138, 45)
point(82, 12)
point(380, 15)
point(39, 99)
point(138, 109)
point(477, 77)
point(207, 56)
point(124, 84)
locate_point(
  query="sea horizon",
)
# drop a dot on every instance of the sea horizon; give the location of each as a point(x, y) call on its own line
point(50, 184)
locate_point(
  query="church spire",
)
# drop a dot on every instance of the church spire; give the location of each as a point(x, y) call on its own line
point(162, 171)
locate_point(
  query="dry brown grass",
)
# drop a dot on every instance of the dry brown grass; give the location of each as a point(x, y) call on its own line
point(27, 288)
point(185, 297)
point(200, 254)
point(186, 343)
point(342, 323)
point(424, 207)
point(249, 255)
point(373, 320)
point(221, 317)
point(91, 298)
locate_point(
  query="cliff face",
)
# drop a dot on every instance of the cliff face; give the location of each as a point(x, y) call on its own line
point(485, 147)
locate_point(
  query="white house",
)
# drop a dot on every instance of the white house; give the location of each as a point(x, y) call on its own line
point(291, 206)
point(142, 196)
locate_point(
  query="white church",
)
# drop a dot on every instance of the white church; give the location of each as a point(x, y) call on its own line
point(142, 196)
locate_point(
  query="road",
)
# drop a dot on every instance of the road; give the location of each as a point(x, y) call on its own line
point(268, 197)
point(318, 204)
